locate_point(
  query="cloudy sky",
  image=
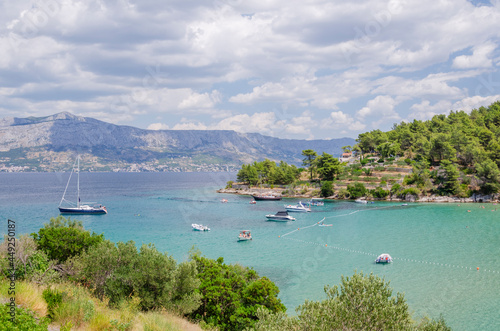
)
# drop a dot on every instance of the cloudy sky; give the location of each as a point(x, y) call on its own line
point(306, 69)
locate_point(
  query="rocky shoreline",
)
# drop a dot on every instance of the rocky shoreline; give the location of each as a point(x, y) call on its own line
point(475, 198)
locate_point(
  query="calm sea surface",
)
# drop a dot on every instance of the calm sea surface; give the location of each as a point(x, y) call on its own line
point(437, 247)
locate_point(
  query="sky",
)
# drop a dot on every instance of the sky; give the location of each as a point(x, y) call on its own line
point(308, 69)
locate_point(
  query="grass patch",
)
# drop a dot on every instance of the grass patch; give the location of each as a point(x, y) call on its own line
point(28, 295)
point(79, 310)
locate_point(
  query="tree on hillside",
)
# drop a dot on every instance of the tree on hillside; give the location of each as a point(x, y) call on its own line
point(309, 160)
point(489, 173)
point(346, 149)
point(441, 148)
point(451, 184)
point(329, 167)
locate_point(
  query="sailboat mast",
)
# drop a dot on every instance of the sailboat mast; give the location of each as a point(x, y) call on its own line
point(78, 183)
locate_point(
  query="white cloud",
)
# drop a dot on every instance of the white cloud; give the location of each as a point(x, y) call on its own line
point(480, 58)
point(339, 120)
point(136, 62)
point(379, 110)
point(265, 123)
point(158, 126)
point(467, 104)
point(425, 111)
point(190, 126)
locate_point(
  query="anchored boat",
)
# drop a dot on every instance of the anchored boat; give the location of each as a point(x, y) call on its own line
point(79, 208)
point(297, 208)
point(245, 235)
point(383, 258)
point(281, 216)
point(199, 227)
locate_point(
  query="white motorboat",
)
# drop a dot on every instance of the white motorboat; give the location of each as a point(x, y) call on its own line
point(245, 235)
point(316, 202)
point(383, 258)
point(199, 227)
point(361, 201)
point(297, 208)
point(281, 216)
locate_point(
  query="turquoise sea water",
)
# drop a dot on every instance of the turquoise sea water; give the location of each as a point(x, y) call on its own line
point(437, 247)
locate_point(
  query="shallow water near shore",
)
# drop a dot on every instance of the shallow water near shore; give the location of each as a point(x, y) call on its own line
point(437, 248)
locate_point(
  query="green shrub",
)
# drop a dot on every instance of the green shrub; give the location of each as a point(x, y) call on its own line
point(118, 272)
point(61, 242)
point(356, 190)
point(229, 184)
point(53, 298)
point(411, 190)
point(24, 320)
point(379, 193)
point(395, 189)
point(343, 194)
point(232, 294)
point(327, 189)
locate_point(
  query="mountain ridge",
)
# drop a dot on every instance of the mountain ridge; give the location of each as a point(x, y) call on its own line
point(51, 137)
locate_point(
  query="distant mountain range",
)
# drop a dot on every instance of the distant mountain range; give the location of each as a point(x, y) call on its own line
point(49, 143)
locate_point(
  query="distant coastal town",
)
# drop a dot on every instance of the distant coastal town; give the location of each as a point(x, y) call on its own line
point(49, 161)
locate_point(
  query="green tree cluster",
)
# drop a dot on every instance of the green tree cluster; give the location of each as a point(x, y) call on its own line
point(121, 271)
point(268, 172)
point(458, 142)
point(232, 294)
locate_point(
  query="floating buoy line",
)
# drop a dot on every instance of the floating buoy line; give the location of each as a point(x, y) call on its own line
point(371, 254)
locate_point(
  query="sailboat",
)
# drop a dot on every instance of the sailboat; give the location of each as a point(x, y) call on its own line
point(81, 208)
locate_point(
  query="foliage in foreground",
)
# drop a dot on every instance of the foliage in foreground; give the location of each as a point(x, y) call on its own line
point(63, 238)
point(25, 319)
point(121, 271)
point(232, 294)
point(363, 302)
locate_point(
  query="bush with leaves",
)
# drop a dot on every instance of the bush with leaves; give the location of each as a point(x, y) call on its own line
point(121, 271)
point(232, 294)
point(63, 238)
point(25, 320)
point(379, 193)
point(327, 189)
point(356, 190)
point(31, 264)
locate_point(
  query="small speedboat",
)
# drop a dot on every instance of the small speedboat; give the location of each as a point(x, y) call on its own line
point(383, 258)
point(253, 202)
point(316, 202)
point(199, 227)
point(297, 208)
point(361, 201)
point(245, 235)
point(281, 216)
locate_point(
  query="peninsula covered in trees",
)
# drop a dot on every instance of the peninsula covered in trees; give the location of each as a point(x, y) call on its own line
point(455, 155)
